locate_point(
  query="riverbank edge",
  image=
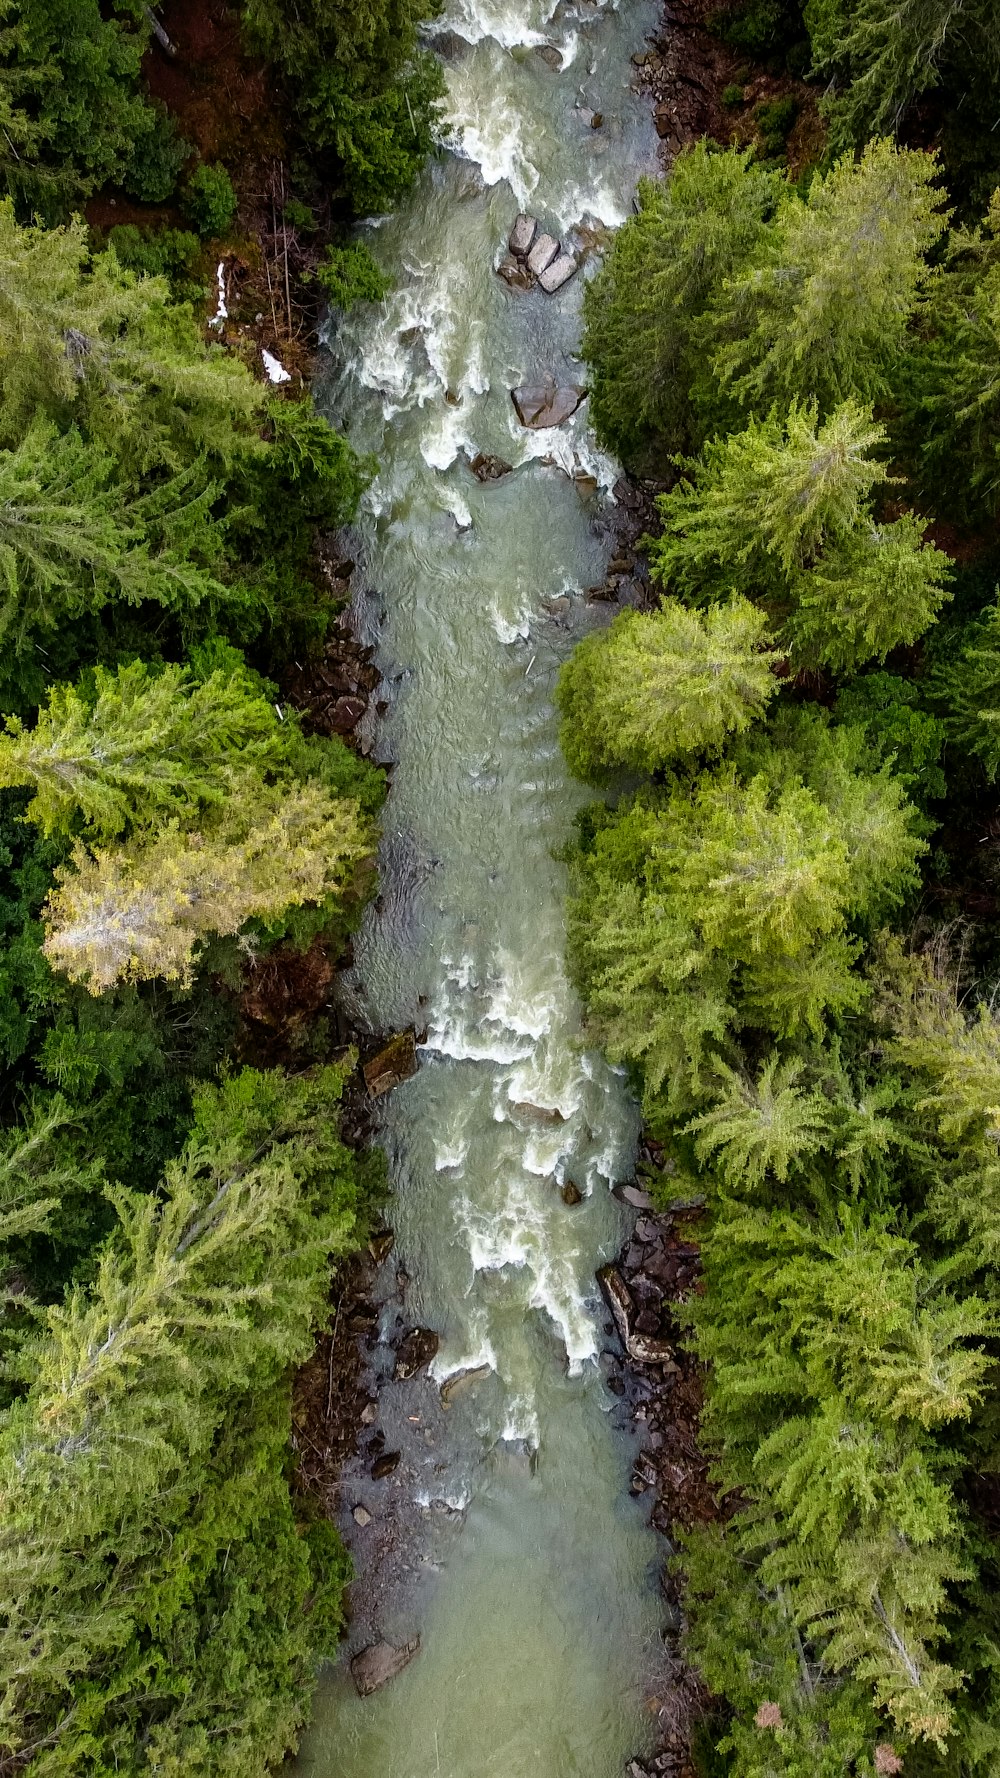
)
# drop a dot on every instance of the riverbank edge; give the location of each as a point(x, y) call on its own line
point(685, 72)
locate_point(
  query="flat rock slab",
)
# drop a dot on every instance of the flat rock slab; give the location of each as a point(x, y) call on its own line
point(558, 273)
point(542, 254)
point(521, 236)
point(376, 1665)
point(396, 1062)
point(541, 404)
point(459, 1381)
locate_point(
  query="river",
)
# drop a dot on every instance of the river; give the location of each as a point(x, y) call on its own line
point(506, 1537)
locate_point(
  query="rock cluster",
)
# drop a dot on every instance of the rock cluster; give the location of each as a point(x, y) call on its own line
point(536, 258)
point(334, 692)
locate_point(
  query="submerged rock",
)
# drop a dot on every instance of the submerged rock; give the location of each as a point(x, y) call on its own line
point(459, 1381)
point(489, 469)
point(416, 1349)
point(385, 1465)
point(541, 1114)
point(376, 1665)
point(543, 404)
point(396, 1062)
point(571, 1194)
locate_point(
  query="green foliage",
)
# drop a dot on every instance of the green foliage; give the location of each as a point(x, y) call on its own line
point(775, 122)
point(847, 587)
point(690, 235)
point(883, 53)
point(835, 1098)
point(659, 685)
point(350, 275)
point(821, 311)
point(208, 200)
point(158, 253)
point(152, 1562)
point(73, 114)
point(361, 86)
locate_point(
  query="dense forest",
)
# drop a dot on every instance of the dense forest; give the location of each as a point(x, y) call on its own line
point(784, 912)
point(169, 1204)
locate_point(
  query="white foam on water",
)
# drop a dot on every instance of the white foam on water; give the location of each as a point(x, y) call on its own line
point(462, 1043)
point(503, 20)
point(521, 1425)
point(511, 629)
point(452, 501)
point(449, 1157)
point(518, 1235)
point(453, 1503)
point(478, 1355)
point(444, 439)
point(486, 129)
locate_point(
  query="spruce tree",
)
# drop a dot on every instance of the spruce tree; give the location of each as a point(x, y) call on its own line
point(662, 684)
point(823, 310)
point(691, 233)
point(140, 747)
point(140, 911)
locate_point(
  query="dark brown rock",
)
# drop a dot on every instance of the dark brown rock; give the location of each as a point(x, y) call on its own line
point(571, 1194)
point(346, 713)
point(396, 1062)
point(381, 1245)
point(616, 1294)
point(416, 1349)
point(538, 1114)
point(597, 120)
point(385, 1465)
point(376, 1665)
point(489, 469)
point(544, 404)
point(514, 273)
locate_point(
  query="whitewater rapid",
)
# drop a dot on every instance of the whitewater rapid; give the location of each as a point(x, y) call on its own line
point(533, 1591)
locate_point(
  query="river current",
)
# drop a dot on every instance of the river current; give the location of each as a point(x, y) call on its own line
point(532, 1577)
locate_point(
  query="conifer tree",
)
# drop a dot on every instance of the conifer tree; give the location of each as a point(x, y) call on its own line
point(822, 312)
point(883, 53)
point(144, 747)
point(140, 911)
point(761, 504)
point(691, 233)
point(785, 513)
point(661, 684)
point(140, 1473)
point(70, 543)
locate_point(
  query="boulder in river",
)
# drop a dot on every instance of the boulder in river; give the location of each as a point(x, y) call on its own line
point(538, 1114)
point(542, 254)
point(459, 1381)
point(376, 1665)
point(489, 469)
point(571, 1194)
point(521, 236)
point(515, 273)
point(417, 1347)
point(385, 1465)
point(558, 273)
point(396, 1062)
point(544, 404)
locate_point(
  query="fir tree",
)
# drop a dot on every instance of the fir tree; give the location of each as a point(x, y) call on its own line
point(823, 310)
point(661, 684)
point(140, 747)
point(692, 232)
point(139, 912)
